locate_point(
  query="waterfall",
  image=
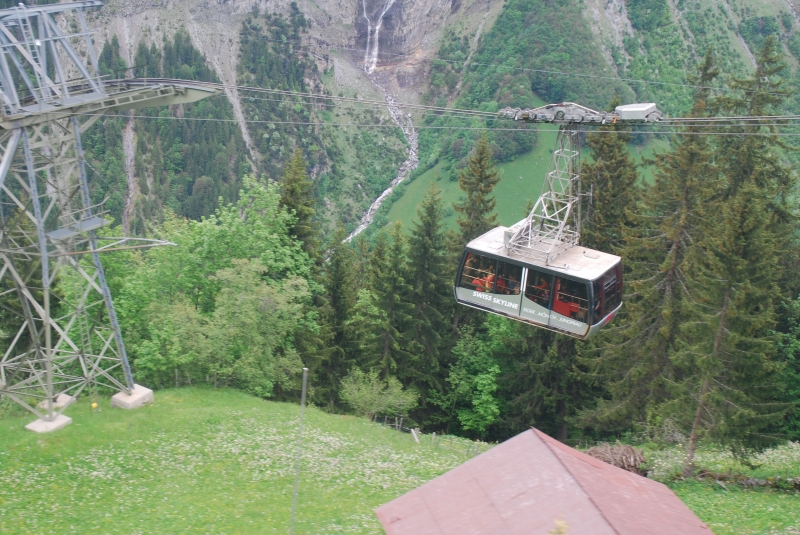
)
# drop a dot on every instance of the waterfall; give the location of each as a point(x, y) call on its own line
point(402, 119)
point(371, 52)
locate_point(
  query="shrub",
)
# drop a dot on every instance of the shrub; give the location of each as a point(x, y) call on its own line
point(367, 394)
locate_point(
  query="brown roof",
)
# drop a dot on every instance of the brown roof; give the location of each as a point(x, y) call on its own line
point(526, 484)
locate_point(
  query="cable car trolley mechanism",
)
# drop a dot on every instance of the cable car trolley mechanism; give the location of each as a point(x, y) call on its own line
point(536, 271)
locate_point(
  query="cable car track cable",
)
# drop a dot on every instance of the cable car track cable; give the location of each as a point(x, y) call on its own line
point(431, 127)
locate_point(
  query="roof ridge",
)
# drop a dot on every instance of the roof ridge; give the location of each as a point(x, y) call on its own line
point(578, 481)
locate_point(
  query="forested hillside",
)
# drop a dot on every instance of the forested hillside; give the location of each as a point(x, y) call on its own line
point(591, 53)
point(528, 52)
point(189, 157)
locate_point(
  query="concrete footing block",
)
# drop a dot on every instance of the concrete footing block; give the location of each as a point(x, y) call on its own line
point(63, 400)
point(43, 426)
point(138, 397)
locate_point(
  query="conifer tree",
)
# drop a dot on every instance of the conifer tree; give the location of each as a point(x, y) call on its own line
point(612, 181)
point(728, 372)
point(13, 303)
point(297, 196)
point(340, 289)
point(477, 180)
point(429, 278)
point(752, 157)
point(476, 211)
point(362, 255)
point(391, 291)
point(368, 318)
point(633, 359)
point(543, 381)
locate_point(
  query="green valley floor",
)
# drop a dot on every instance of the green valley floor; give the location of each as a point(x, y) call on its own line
point(222, 462)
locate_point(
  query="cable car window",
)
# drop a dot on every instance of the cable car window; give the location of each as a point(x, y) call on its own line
point(612, 289)
point(538, 288)
point(508, 279)
point(597, 304)
point(571, 299)
point(478, 273)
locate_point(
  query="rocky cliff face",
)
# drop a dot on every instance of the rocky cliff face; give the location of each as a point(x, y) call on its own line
point(407, 30)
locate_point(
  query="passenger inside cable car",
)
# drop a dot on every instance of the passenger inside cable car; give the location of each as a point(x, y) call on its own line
point(570, 299)
point(538, 289)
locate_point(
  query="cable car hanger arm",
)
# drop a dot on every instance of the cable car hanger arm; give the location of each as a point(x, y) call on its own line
point(567, 113)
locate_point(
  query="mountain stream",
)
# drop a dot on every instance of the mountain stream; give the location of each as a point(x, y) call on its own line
point(403, 120)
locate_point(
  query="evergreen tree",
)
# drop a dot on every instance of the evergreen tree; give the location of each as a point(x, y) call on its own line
point(368, 318)
point(725, 388)
point(430, 280)
point(728, 372)
point(753, 157)
point(477, 180)
point(391, 291)
point(633, 357)
point(110, 62)
point(362, 252)
point(612, 178)
point(14, 306)
point(341, 293)
point(297, 196)
point(789, 355)
point(476, 211)
point(543, 381)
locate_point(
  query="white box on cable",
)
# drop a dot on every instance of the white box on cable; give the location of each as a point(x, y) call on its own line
point(635, 112)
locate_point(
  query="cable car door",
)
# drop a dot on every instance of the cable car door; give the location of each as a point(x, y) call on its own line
point(536, 298)
point(555, 301)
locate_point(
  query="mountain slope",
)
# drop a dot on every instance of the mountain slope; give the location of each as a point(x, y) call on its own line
point(472, 54)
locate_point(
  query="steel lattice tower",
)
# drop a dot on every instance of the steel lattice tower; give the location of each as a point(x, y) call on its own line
point(554, 224)
point(56, 312)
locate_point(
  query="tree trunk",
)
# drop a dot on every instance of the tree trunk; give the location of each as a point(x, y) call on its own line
point(691, 448)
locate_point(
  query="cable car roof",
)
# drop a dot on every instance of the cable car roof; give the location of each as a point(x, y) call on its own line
point(579, 262)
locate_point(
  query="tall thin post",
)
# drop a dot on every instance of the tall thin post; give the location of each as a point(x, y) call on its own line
point(299, 449)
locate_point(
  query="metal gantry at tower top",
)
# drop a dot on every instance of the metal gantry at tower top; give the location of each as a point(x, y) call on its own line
point(58, 327)
point(554, 224)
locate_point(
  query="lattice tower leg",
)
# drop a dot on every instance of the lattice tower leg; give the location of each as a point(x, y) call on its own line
point(59, 330)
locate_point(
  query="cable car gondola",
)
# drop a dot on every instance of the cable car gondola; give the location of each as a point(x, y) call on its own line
point(535, 271)
point(577, 296)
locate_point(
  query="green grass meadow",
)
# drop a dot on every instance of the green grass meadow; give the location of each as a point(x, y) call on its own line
point(200, 461)
point(521, 180)
point(205, 461)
